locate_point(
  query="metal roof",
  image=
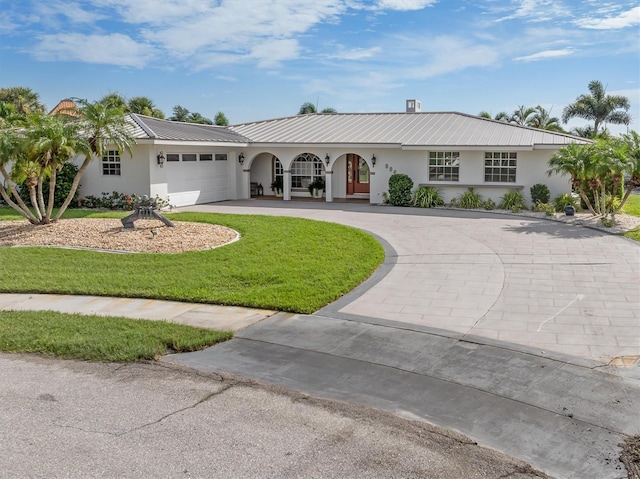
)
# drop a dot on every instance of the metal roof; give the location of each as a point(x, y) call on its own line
point(146, 127)
point(441, 129)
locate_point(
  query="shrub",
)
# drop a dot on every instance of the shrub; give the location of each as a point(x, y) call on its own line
point(468, 200)
point(427, 197)
point(400, 186)
point(512, 200)
point(489, 204)
point(117, 201)
point(547, 208)
point(539, 193)
point(560, 201)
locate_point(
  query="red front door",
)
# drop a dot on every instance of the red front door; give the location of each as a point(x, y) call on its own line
point(357, 175)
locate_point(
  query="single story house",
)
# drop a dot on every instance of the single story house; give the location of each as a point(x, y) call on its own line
point(355, 153)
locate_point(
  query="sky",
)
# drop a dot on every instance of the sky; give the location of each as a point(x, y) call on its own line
point(262, 59)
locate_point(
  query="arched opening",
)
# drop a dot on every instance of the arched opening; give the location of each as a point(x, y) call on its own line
point(305, 169)
point(358, 175)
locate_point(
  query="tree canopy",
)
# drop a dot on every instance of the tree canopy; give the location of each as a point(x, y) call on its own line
point(180, 113)
point(309, 108)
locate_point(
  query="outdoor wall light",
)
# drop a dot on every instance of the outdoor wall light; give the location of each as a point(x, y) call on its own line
point(373, 160)
point(160, 159)
point(241, 159)
point(327, 159)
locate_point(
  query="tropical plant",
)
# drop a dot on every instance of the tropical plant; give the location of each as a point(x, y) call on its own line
point(576, 161)
point(427, 197)
point(489, 204)
point(599, 107)
point(501, 116)
point(565, 199)
point(277, 185)
point(316, 185)
point(308, 107)
point(632, 165)
point(142, 105)
point(24, 99)
point(220, 119)
point(512, 200)
point(543, 120)
point(180, 113)
point(522, 115)
point(539, 193)
point(547, 208)
point(468, 200)
point(400, 186)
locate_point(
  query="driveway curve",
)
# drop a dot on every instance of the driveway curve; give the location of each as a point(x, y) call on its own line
point(531, 284)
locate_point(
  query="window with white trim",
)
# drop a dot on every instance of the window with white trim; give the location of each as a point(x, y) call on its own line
point(305, 169)
point(500, 166)
point(111, 163)
point(444, 166)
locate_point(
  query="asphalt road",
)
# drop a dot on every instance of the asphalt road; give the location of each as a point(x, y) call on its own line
point(73, 419)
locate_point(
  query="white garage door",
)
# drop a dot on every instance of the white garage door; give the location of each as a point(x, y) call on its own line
point(193, 182)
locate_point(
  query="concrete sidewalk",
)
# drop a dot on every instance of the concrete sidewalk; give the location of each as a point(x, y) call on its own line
point(202, 315)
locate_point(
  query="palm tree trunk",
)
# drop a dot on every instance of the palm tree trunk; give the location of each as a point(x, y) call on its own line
point(585, 198)
point(34, 201)
point(74, 187)
point(21, 207)
point(40, 195)
point(603, 199)
point(52, 192)
point(627, 193)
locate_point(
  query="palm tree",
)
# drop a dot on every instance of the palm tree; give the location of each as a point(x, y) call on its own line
point(180, 113)
point(599, 107)
point(104, 127)
point(220, 119)
point(522, 115)
point(144, 106)
point(329, 111)
point(501, 116)
point(24, 99)
point(50, 142)
point(115, 100)
point(543, 120)
point(576, 161)
point(307, 108)
point(632, 144)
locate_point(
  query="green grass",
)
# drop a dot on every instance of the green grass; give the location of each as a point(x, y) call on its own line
point(632, 206)
point(97, 338)
point(286, 264)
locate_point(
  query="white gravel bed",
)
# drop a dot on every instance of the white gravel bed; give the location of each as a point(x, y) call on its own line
point(148, 236)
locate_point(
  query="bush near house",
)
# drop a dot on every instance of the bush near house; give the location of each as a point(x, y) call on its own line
point(427, 197)
point(539, 193)
point(400, 186)
point(513, 200)
point(566, 199)
point(468, 200)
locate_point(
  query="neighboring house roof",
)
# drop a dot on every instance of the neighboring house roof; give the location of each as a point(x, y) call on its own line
point(65, 107)
point(146, 127)
point(444, 129)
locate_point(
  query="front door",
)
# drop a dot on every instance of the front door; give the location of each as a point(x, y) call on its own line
point(357, 175)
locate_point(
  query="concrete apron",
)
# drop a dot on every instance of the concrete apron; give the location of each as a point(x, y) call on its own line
point(565, 419)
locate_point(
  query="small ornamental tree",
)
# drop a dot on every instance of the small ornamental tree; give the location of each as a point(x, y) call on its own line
point(400, 186)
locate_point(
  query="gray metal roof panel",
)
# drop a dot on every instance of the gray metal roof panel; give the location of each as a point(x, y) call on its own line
point(408, 129)
point(155, 128)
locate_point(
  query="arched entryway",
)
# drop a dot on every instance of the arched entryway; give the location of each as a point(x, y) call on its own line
point(358, 175)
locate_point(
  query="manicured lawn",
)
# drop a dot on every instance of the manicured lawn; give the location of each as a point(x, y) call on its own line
point(287, 264)
point(632, 206)
point(97, 338)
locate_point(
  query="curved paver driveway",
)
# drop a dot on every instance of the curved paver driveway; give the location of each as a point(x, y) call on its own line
point(553, 287)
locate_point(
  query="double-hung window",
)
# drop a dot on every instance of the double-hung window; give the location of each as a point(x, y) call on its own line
point(111, 163)
point(444, 166)
point(500, 166)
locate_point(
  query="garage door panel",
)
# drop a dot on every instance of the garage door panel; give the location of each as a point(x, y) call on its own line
point(193, 183)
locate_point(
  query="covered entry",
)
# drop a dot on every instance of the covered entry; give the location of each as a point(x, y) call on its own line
point(358, 177)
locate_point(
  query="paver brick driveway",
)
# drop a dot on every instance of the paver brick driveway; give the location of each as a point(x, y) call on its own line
point(555, 288)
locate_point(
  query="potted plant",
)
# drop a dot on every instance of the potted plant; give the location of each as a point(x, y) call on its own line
point(277, 186)
point(316, 187)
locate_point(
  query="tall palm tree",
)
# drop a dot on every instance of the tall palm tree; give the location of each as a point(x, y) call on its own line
point(599, 107)
point(104, 127)
point(576, 161)
point(522, 115)
point(501, 116)
point(24, 99)
point(115, 100)
point(543, 120)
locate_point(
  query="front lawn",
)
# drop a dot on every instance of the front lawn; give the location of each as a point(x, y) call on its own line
point(98, 338)
point(632, 205)
point(281, 263)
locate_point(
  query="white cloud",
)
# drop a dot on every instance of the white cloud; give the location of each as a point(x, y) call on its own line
point(545, 55)
point(623, 20)
point(114, 49)
point(72, 11)
point(354, 53)
point(271, 53)
point(536, 10)
point(404, 5)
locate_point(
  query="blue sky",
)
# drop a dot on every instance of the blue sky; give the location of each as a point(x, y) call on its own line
point(260, 59)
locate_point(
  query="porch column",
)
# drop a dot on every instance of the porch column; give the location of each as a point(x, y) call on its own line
point(286, 176)
point(245, 178)
point(328, 186)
